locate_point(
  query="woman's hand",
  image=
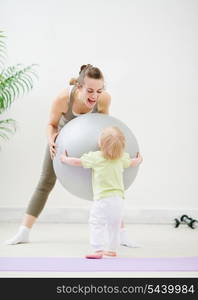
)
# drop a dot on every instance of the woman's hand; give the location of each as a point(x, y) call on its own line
point(52, 145)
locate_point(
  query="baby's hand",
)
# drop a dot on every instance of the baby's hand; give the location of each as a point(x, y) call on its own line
point(139, 158)
point(63, 157)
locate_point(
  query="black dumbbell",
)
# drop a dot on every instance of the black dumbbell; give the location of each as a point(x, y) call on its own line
point(186, 220)
point(189, 221)
point(177, 223)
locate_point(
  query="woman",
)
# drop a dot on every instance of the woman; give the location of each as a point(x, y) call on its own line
point(86, 96)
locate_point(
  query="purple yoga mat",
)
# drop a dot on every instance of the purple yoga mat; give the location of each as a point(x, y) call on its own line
point(77, 264)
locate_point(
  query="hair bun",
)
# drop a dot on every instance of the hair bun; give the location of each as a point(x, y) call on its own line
point(85, 67)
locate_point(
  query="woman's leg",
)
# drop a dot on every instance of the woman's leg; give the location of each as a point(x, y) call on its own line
point(124, 239)
point(44, 187)
point(28, 221)
point(37, 202)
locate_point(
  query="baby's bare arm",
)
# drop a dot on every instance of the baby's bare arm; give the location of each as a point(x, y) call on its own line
point(72, 161)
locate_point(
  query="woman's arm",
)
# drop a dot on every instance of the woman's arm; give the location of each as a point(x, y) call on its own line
point(59, 106)
point(104, 102)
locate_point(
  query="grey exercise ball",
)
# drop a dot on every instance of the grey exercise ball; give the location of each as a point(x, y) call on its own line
point(80, 136)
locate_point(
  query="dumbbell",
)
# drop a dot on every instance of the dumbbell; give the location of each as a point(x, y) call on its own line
point(177, 223)
point(186, 220)
point(189, 221)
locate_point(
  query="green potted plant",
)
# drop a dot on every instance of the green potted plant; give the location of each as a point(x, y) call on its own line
point(15, 81)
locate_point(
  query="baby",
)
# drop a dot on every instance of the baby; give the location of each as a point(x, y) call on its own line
point(108, 189)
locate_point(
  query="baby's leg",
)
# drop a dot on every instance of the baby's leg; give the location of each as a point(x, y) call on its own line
point(113, 224)
point(97, 223)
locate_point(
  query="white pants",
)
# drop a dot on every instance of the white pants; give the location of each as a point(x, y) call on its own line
point(106, 213)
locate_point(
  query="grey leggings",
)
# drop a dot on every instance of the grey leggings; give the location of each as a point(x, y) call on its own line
point(44, 187)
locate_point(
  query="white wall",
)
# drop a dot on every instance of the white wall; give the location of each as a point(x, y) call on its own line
point(148, 51)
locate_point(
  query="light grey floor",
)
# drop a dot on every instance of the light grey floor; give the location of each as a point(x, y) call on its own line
point(71, 240)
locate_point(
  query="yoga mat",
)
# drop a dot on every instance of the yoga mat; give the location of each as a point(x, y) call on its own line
point(77, 264)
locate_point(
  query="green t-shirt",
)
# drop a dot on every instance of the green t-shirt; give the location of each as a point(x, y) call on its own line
point(107, 175)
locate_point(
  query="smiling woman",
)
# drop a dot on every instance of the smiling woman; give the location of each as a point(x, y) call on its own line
point(90, 85)
point(89, 91)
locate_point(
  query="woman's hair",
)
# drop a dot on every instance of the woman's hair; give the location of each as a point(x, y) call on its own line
point(89, 71)
point(112, 142)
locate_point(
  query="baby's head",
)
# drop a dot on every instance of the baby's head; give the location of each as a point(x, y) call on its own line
point(112, 142)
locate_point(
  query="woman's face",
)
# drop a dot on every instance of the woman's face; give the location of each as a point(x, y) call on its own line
point(90, 91)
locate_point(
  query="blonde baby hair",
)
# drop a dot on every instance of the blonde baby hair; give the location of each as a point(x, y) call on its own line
point(112, 142)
